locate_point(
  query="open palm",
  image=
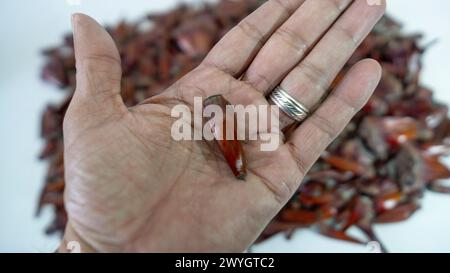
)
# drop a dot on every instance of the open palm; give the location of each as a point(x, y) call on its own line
point(131, 187)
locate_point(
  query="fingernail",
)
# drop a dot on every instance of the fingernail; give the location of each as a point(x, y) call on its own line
point(375, 81)
point(74, 22)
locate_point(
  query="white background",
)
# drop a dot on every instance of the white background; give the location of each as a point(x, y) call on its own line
point(26, 27)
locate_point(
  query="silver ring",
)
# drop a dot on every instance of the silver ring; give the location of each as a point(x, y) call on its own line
point(289, 105)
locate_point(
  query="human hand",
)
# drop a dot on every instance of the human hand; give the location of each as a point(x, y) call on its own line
point(131, 187)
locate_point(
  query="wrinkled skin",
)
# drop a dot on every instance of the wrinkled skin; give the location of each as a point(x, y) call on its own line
point(131, 187)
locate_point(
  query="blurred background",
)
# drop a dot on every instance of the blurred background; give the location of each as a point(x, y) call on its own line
point(27, 27)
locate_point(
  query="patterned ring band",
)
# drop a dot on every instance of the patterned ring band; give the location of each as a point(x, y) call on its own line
point(289, 105)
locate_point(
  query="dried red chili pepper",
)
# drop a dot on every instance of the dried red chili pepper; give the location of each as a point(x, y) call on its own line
point(397, 214)
point(231, 148)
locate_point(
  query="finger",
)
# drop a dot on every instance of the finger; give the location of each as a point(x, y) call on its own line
point(98, 67)
point(309, 140)
point(309, 81)
point(289, 44)
point(235, 51)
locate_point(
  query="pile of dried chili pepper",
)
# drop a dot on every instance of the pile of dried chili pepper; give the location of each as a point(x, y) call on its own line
point(375, 172)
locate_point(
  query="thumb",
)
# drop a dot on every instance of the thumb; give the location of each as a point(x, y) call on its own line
point(98, 69)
